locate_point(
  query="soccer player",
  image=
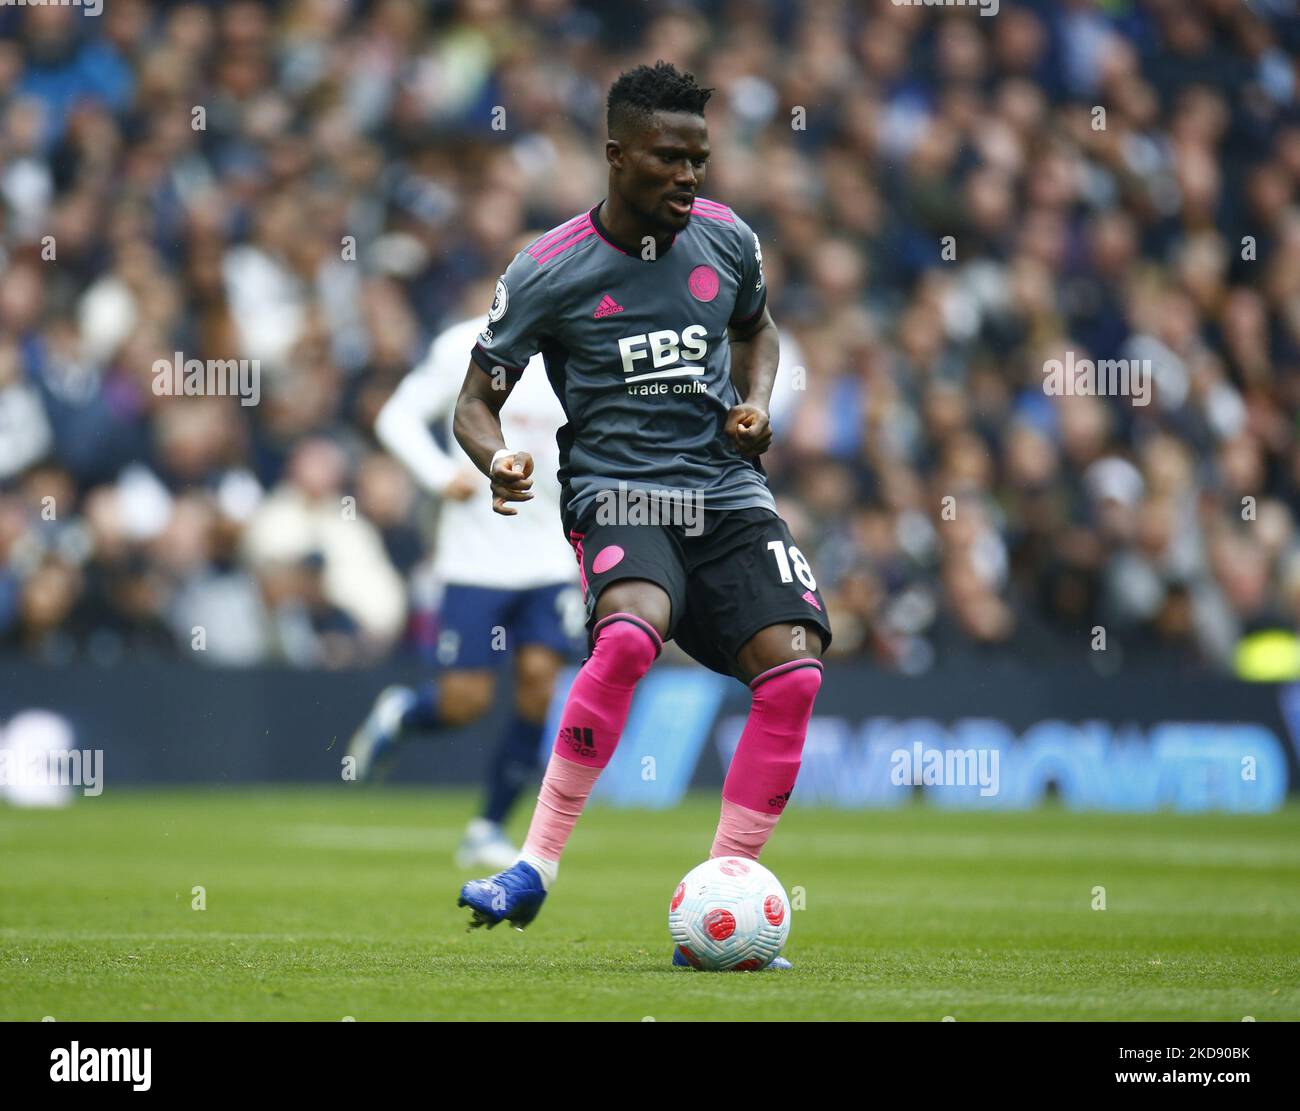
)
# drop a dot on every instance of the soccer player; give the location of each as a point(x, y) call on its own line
point(493, 600)
point(650, 313)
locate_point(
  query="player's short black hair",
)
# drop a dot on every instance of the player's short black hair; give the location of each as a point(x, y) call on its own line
point(647, 89)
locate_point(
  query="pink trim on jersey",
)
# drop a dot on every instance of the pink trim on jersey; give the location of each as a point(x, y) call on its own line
point(614, 245)
point(556, 234)
point(711, 210)
point(576, 538)
point(580, 234)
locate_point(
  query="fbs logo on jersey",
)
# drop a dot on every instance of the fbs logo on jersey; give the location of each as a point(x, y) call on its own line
point(664, 349)
point(671, 355)
point(758, 256)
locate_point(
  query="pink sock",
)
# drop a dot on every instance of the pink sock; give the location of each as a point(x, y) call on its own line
point(741, 832)
point(590, 727)
point(766, 761)
point(566, 786)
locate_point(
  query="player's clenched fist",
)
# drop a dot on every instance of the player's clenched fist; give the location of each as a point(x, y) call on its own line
point(511, 481)
point(748, 429)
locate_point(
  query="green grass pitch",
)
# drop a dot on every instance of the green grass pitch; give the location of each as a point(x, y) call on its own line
point(326, 903)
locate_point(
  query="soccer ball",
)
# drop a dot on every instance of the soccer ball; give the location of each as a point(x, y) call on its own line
point(729, 915)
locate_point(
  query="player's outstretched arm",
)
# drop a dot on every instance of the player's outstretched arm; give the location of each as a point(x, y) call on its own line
point(402, 427)
point(755, 352)
point(477, 425)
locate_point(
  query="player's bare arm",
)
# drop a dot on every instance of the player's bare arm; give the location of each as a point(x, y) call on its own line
point(755, 350)
point(477, 425)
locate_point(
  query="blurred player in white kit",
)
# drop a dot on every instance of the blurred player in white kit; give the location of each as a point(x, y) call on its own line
point(510, 587)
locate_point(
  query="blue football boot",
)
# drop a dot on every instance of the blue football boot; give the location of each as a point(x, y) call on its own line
point(679, 961)
point(514, 896)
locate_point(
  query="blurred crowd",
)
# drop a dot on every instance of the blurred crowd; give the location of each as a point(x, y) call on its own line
point(946, 201)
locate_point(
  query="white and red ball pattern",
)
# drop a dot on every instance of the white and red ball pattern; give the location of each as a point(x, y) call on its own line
point(729, 914)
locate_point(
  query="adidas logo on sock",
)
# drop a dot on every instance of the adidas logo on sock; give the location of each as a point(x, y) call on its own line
point(579, 738)
point(607, 307)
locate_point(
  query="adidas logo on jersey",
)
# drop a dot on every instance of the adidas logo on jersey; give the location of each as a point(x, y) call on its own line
point(607, 307)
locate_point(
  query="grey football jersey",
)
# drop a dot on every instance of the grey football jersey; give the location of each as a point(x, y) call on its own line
point(637, 353)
